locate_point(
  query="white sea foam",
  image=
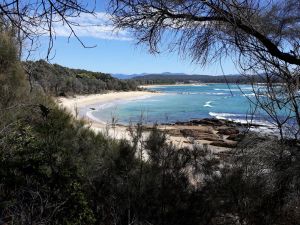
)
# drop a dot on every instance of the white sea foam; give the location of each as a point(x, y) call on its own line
point(201, 93)
point(208, 104)
point(247, 88)
point(104, 106)
point(234, 89)
point(90, 115)
point(264, 126)
point(227, 89)
point(139, 98)
point(214, 114)
point(212, 93)
point(98, 107)
point(153, 100)
point(249, 95)
point(217, 93)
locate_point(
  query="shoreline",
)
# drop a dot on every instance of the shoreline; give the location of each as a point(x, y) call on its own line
point(176, 134)
point(205, 131)
point(74, 104)
point(71, 104)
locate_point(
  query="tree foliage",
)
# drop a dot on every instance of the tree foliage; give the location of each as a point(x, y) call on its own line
point(62, 81)
point(262, 37)
point(31, 20)
point(208, 29)
point(55, 170)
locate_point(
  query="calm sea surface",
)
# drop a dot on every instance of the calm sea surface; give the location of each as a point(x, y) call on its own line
point(182, 103)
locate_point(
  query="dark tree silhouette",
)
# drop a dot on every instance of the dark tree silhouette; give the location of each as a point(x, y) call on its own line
point(31, 19)
point(261, 36)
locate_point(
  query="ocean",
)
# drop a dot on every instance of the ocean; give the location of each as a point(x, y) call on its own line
point(183, 103)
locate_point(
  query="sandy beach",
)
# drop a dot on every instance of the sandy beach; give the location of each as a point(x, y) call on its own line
point(206, 133)
point(79, 101)
point(73, 104)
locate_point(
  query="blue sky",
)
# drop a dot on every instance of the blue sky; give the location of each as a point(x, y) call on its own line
point(119, 53)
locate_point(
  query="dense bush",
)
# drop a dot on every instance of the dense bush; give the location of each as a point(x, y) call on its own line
point(55, 170)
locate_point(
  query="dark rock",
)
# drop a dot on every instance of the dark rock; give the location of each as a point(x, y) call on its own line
point(235, 137)
point(181, 123)
point(228, 131)
point(188, 133)
point(199, 135)
point(223, 144)
point(174, 132)
point(167, 124)
point(209, 121)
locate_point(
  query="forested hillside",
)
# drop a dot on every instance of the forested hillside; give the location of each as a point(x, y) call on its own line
point(172, 79)
point(60, 81)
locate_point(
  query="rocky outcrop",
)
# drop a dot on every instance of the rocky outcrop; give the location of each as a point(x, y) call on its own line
point(209, 122)
point(211, 131)
point(235, 137)
point(199, 134)
point(223, 144)
point(228, 131)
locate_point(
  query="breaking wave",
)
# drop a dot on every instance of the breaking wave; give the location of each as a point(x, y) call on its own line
point(208, 104)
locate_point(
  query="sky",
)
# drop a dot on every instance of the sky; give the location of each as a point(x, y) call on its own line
point(118, 53)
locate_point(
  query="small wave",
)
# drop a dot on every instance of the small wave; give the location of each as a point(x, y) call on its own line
point(209, 93)
point(185, 93)
point(263, 123)
point(227, 89)
point(234, 89)
point(213, 93)
point(217, 93)
point(105, 106)
point(139, 98)
point(208, 104)
point(237, 118)
point(94, 118)
point(249, 95)
point(214, 114)
point(201, 93)
point(153, 100)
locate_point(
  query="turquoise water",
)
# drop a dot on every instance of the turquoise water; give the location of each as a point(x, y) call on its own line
point(183, 103)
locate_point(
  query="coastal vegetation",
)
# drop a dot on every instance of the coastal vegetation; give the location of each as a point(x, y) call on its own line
point(57, 80)
point(55, 170)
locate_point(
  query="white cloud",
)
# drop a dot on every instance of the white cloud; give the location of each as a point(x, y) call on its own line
point(98, 26)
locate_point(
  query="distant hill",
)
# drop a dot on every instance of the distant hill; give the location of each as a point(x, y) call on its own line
point(183, 78)
point(127, 76)
point(131, 76)
point(171, 78)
